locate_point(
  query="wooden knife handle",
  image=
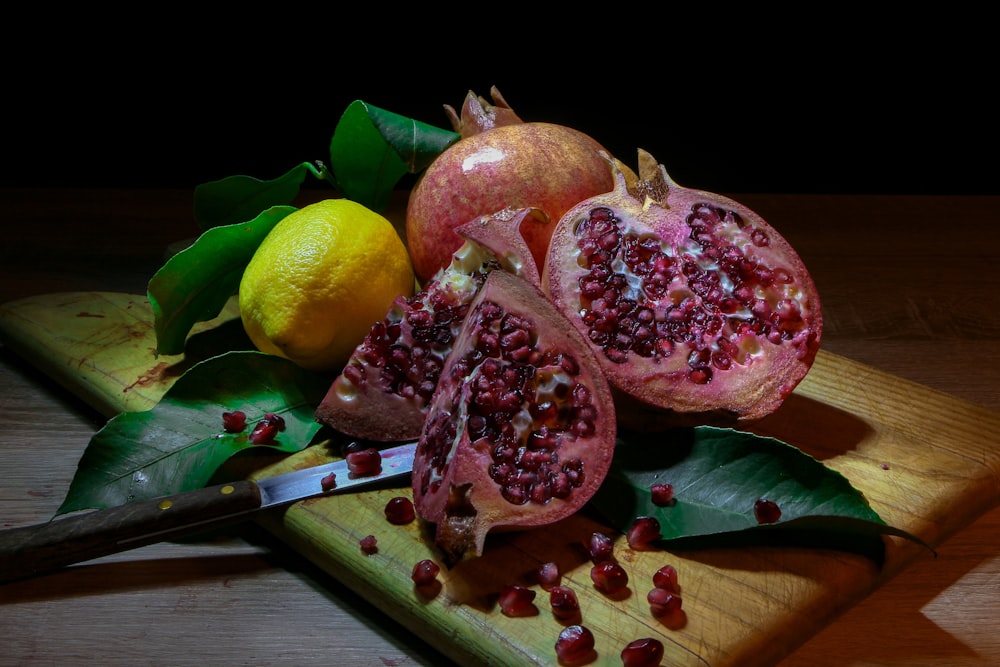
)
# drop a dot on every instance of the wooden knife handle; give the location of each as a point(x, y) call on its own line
point(32, 550)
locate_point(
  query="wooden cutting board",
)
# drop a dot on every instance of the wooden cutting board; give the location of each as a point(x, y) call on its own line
point(928, 463)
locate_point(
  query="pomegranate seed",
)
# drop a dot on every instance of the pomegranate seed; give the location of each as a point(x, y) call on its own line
point(548, 575)
point(575, 646)
point(666, 578)
point(609, 577)
point(234, 422)
point(517, 601)
point(369, 545)
point(365, 462)
point(329, 482)
point(766, 511)
point(399, 510)
point(425, 572)
point(275, 419)
point(600, 548)
point(643, 531)
point(565, 605)
point(662, 494)
point(264, 433)
point(647, 652)
point(663, 602)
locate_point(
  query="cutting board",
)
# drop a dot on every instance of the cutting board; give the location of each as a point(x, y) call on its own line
point(928, 463)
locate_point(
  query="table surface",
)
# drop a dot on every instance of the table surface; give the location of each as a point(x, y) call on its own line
point(909, 286)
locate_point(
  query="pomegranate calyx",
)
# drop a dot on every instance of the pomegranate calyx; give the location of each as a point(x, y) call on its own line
point(479, 115)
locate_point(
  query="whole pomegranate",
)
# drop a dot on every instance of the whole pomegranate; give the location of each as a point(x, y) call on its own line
point(383, 391)
point(698, 310)
point(521, 429)
point(500, 161)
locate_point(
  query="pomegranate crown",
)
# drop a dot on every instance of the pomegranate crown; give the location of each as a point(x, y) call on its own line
point(479, 115)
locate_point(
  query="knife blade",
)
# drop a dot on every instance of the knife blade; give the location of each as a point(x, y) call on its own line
point(28, 551)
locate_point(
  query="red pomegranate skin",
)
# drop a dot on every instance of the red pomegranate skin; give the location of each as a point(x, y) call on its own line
point(532, 164)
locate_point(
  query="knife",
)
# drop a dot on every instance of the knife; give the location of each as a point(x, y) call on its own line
point(32, 550)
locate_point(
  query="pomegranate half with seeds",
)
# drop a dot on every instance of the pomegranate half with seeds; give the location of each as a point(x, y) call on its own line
point(521, 429)
point(698, 310)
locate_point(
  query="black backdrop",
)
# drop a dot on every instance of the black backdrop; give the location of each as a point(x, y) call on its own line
point(876, 110)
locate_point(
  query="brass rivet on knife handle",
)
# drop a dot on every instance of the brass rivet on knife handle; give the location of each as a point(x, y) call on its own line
point(32, 550)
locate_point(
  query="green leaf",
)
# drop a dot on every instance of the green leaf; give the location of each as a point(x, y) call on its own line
point(718, 474)
point(180, 444)
point(236, 199)
point(372, 149)
point(194, 285)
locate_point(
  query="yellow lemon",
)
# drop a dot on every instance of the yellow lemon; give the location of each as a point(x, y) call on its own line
point(320, 279)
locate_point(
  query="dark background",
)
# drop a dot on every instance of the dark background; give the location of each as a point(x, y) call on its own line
point(834, 106)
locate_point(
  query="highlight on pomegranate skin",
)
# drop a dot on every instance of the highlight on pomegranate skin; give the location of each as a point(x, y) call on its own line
point(698, 310)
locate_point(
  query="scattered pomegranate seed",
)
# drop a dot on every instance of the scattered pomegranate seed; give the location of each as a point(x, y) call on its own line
point(425, 572)
point(575, 646)
point(662, 494)
point(666, 578)
point(329, 482)
point(369, 545)
point(766, 511)
point(276, 419)
point(548, 575)
point(517, 601)
point(263, 433)
point(565, 605)
point(234, 422)
point(399, 510)
point(365, 462)
point(600, 548)
point(643, 531)
point(609, 577)
point(267, 429)
point(647, 652)
point(663, 602)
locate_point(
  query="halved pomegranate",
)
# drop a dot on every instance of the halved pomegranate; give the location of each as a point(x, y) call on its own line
point(699, 311)
point(522, 427)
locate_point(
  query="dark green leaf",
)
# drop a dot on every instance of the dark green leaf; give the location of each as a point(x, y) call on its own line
point(194, 285)
point(718, 475)
point(180, 443)
point(372, 149)
point(236, 199)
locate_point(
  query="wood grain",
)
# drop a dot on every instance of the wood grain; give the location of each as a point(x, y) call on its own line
point(900, 296)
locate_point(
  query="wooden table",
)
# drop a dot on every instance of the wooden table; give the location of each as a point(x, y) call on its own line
point(909, 286)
